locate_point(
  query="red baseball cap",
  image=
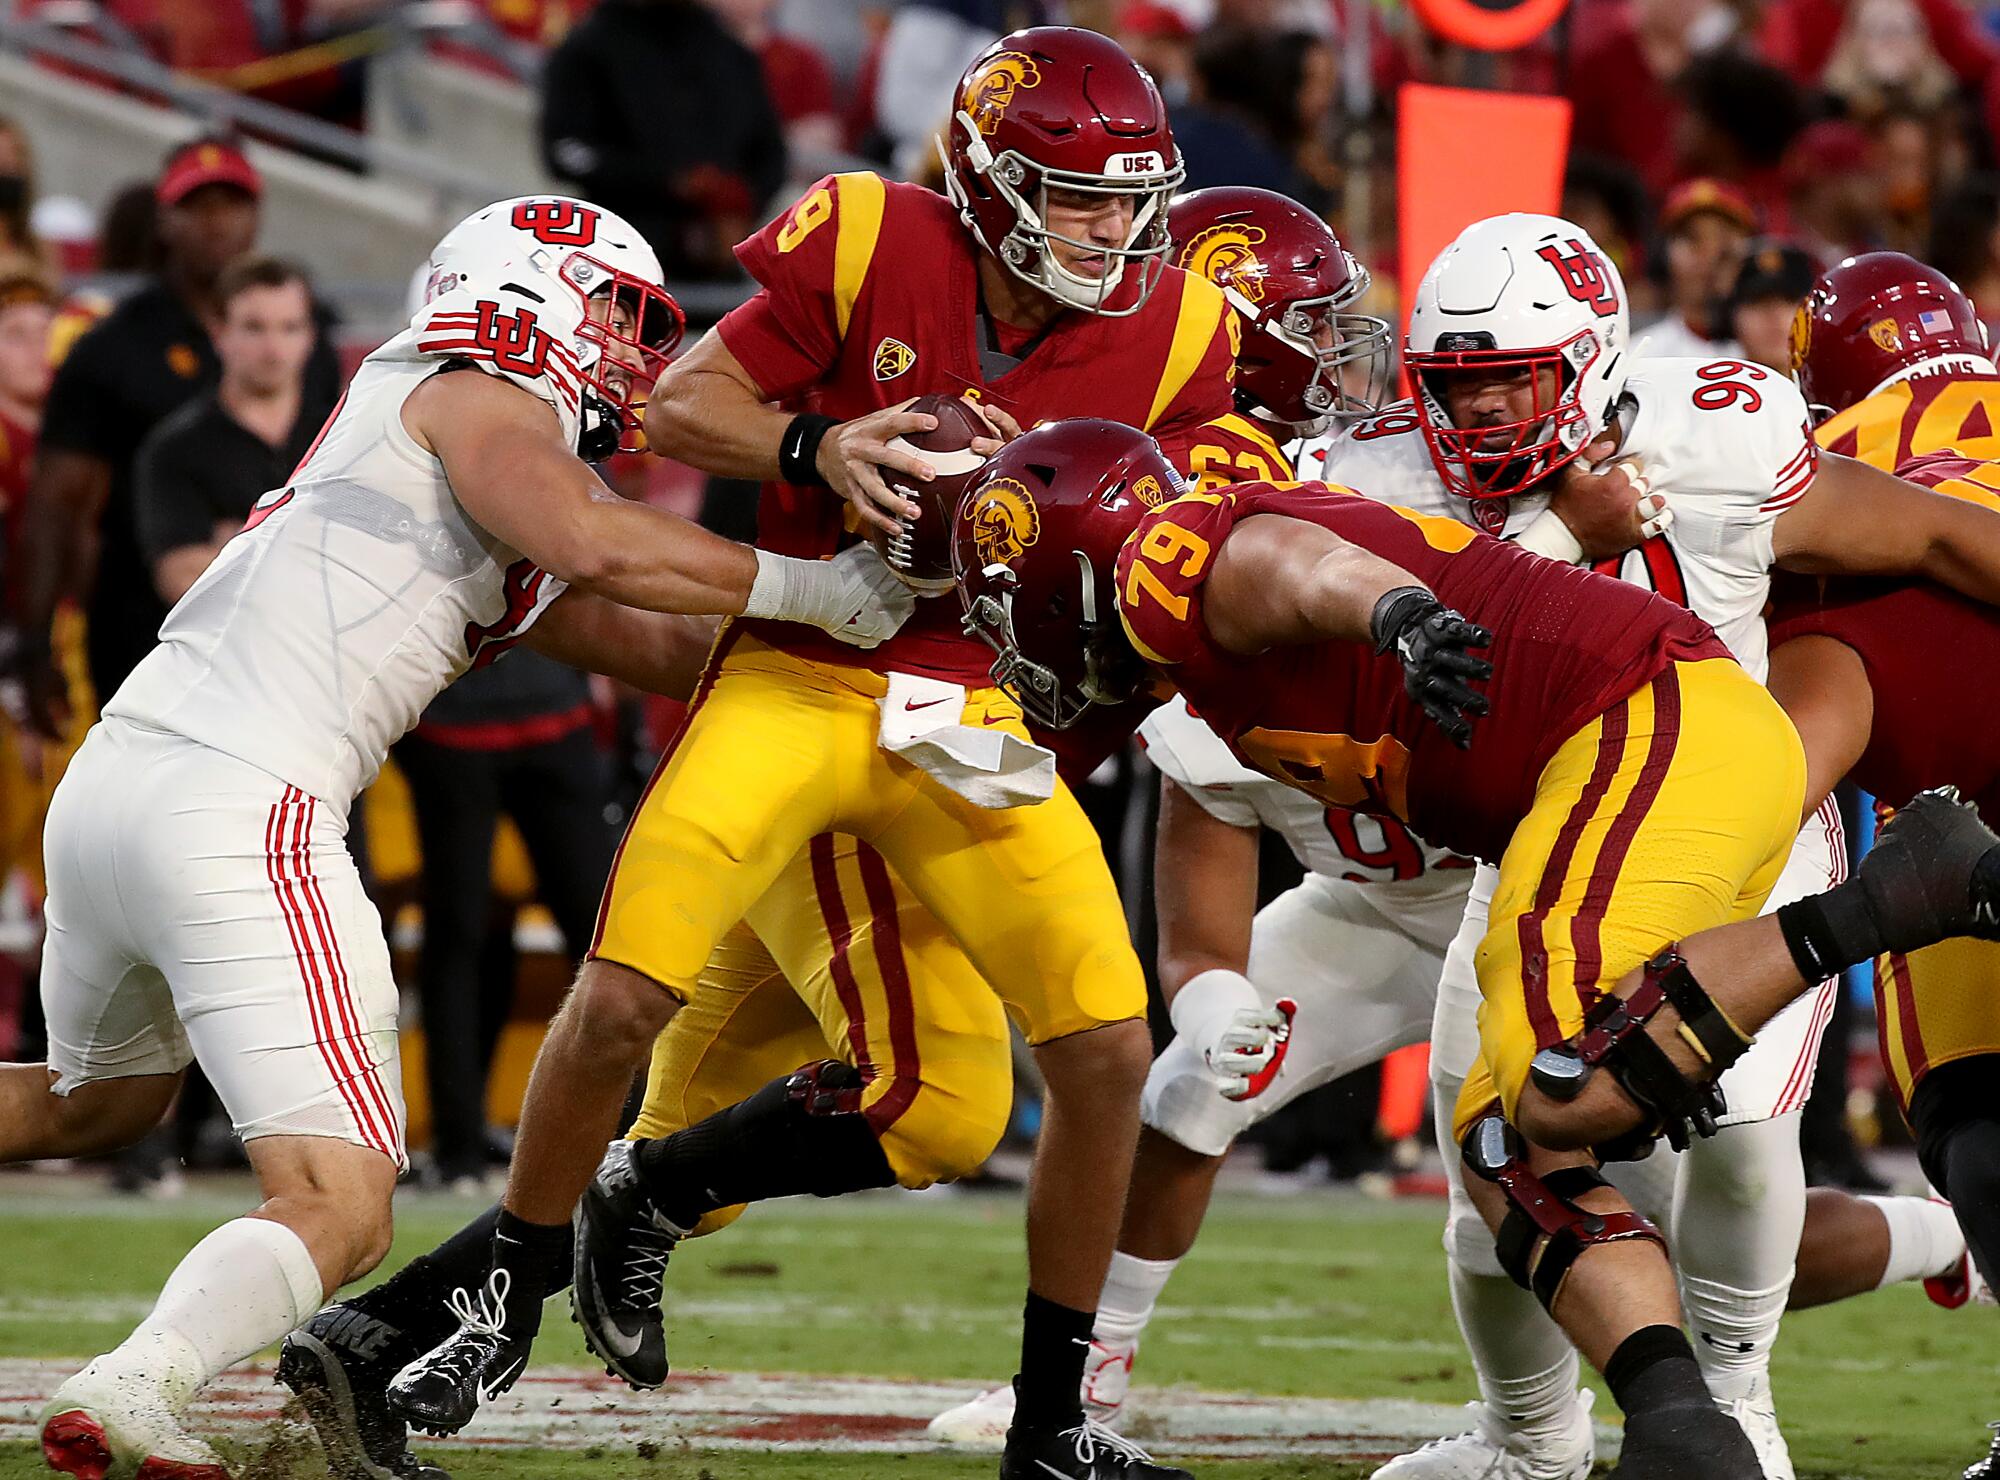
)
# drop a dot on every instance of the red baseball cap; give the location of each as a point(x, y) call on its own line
point(205, 162)
point(1691, 198)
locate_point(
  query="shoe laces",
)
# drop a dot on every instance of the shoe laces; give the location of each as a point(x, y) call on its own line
point(1091, 1441)
point(480, 1333)
point(643, 1264)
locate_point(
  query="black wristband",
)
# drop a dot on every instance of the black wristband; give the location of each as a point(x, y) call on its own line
point(1395, 611)
point(798, 449)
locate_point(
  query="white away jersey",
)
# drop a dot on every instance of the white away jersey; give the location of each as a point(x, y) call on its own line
point(360, 589)
point(1326, 840)
point(1729, 444)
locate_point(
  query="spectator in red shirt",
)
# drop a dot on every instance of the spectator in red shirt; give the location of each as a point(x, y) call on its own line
point(1833, 195)
point(1621, 81)
point(27, 310)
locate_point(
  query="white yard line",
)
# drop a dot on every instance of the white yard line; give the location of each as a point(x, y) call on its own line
point(566, 1408)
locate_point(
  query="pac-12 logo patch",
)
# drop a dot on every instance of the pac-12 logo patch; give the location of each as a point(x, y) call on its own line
point(1004, 521)
point(991, 90)
point(893, 358)
point(1885, 335)
point(1583, 274)
point(1226, 255)
point(1490, 514)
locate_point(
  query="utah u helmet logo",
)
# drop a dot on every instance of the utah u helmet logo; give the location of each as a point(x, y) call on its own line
point(1226, 255)
point(1582, 272)
point(559, 223)
point(992, 88)
point(1004, 521)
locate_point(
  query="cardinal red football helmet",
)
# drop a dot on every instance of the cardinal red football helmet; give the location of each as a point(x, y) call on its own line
point(1035, 553)
point(1054, 108)
point(1286, 274)
point(1882, 317)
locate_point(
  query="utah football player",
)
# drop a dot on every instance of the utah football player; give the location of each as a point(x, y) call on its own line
point(1898, 354)
point(1040, 285)
point(1641, 792)
point(444, 515)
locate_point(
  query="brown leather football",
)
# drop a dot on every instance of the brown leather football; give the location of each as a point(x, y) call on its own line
point(920, 551)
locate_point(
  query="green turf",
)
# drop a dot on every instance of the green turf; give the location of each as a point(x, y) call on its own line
point(1311, 1295)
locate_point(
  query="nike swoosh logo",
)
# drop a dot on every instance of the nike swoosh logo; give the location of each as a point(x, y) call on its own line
point(620, 1344)
point(909, 704)
point(500, 1385)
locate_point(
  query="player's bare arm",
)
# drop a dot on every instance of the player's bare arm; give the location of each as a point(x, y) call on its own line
point(1859, 520)
point(708, 412)
point(1281, 581)
point(1205, 891)
point(509, 465)
point(660, 652)
point(1824, 688)
point(57, 561)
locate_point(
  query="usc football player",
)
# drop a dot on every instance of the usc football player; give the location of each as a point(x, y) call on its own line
point(1639, 789)
point(1040, 285)
point(1873, 674)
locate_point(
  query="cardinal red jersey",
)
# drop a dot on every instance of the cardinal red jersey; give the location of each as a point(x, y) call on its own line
point(870, 295)
point(1916, 417)
point(1333, 719)
point(1931, 656)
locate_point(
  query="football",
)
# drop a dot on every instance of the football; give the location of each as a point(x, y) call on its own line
point(920, 550)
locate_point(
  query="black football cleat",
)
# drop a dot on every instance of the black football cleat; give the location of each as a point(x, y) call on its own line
point(1988, 1468)
point(622, 1247)
point(441, 1390)
point(1686, 1443)
point(1087, 1452)
point(338, 1366)
point(1933, 873)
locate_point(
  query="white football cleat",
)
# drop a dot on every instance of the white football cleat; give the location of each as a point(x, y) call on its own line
point(98, 1424)
point(1491, 1451)
point(980, 1424)
point(983, 1423)
point(1757, 1415)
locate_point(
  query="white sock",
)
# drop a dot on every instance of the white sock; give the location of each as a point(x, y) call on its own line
point(1527, 1367)
point(1738, 1213)
point(1132, 1288)
point(1924, 1238)
point(243, 1287)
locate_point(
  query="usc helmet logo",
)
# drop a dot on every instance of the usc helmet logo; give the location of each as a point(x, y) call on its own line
point(991, 90)
point(1226, 256)
point(1801, 336)
point(1004, 521)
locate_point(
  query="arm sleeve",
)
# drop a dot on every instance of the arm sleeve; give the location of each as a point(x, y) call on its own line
point(809, 264)
point(170, 505)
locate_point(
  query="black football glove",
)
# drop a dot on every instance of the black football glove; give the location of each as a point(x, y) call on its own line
point(1433, 644)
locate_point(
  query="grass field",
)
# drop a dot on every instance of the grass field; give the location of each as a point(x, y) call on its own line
point(1317, 1296)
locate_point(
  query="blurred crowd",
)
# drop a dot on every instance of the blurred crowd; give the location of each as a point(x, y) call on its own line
point(157, 373)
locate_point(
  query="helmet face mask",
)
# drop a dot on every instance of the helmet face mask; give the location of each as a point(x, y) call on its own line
point(1518, 293)
point(1058, 110)
point(1035, 546)
point(629, 331)
point(1501, 459)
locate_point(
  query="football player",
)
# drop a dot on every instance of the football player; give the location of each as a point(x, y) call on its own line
point(445, 513)
point(1641, 792)
point(1899, 356)
point(1040, 285)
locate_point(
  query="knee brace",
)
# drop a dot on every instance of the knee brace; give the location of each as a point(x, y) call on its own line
point(1614, 1035)
point(1545, 1232)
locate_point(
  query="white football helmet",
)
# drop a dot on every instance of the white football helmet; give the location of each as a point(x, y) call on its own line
point(1514, 293)
point(558, 254)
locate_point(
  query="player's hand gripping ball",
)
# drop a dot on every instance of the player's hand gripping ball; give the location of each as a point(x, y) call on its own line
point(919, 550)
